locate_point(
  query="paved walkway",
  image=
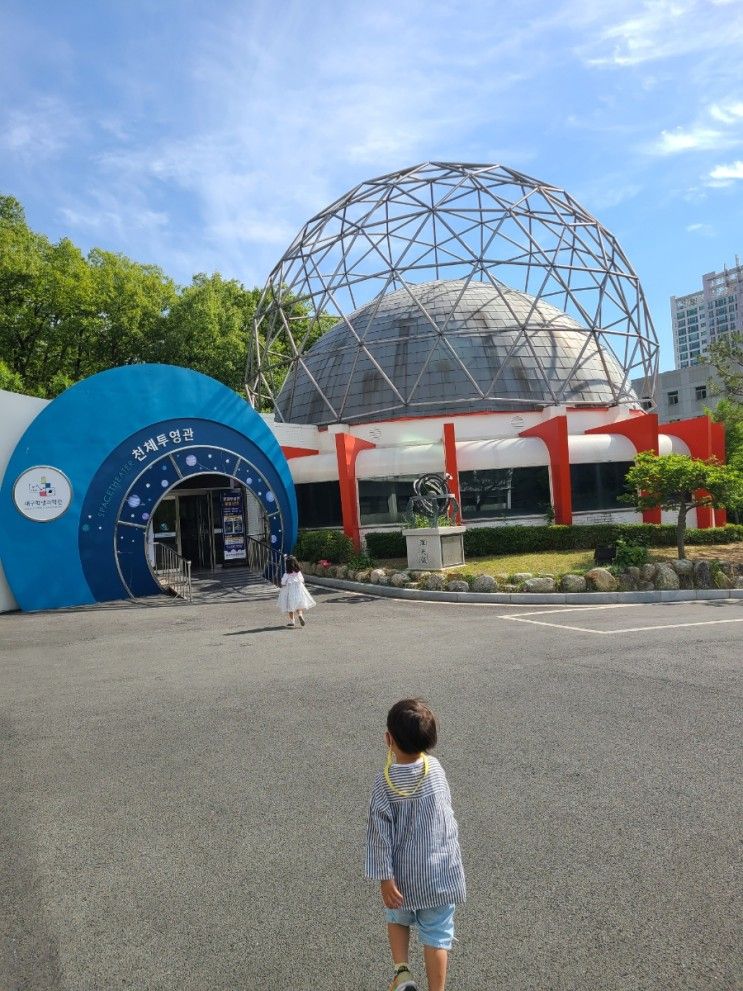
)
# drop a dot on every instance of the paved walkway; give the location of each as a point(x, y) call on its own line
point(185, 791)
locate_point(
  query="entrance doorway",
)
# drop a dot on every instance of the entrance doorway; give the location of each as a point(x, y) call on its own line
point(207, 519)
point(196, 528)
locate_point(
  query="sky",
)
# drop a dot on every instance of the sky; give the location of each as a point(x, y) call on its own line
point(201, 137)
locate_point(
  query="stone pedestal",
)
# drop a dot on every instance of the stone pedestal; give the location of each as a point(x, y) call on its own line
point(435, 548)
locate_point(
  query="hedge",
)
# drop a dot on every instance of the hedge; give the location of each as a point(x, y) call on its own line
point(324, 545)
point(492, 541)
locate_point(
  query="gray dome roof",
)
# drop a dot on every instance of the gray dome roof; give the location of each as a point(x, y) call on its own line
point(449, 347)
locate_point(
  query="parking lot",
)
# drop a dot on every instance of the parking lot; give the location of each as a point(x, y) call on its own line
point(185, 792)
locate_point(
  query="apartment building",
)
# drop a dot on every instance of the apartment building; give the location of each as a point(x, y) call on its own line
point(700, 318)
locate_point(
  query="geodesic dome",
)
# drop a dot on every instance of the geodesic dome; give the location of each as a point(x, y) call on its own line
point(449, 288)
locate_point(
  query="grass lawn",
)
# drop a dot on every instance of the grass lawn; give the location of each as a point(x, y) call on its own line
point(571, 562)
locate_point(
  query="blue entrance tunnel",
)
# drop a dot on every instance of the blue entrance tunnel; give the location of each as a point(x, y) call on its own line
point(123, 439)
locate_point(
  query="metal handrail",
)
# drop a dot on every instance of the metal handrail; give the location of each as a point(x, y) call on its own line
point(265, 560)
point(173, 571)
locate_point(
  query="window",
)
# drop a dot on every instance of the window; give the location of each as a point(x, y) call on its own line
point(701, 392)
point(647, 404)
point(319, 504)
point(494, 492)
point(673, 398)
point(598, 486)
point(385, 500)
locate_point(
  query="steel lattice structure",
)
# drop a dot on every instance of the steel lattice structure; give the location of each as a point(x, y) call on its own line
point(557, 283)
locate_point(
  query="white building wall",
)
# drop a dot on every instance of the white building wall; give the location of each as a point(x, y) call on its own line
point(16, 412)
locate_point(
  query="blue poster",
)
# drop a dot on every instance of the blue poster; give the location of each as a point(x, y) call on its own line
point(233, 526)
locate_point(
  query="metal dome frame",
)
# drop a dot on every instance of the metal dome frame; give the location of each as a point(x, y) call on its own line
point(439, 220)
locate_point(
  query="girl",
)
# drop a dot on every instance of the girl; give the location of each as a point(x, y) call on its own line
point(294, 597)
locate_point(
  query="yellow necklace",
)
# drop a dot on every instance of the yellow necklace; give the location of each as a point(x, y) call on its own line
point(401, 791)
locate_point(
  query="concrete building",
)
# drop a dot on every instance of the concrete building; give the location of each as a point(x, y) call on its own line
point(700, 318)
point(680, 393)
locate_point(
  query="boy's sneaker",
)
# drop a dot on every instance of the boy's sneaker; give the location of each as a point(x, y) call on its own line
point(403, 981)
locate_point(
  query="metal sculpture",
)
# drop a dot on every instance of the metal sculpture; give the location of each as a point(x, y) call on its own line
point(482, 225)
point(433, 499)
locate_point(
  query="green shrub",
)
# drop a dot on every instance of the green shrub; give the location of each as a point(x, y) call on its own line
point(386, 544)
point(319, 545)
point(630, 555)
point(495, 540)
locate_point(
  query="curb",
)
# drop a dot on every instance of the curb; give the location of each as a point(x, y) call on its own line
point(530, 598)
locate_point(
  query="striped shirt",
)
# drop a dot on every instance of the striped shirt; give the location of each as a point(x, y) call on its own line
point(415, 840)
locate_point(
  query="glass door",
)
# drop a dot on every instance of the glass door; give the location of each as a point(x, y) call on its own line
point(197, 530)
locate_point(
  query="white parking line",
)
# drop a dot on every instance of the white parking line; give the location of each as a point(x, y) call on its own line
point(628, 629)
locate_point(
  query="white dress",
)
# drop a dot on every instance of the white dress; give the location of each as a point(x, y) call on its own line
point(293, 594)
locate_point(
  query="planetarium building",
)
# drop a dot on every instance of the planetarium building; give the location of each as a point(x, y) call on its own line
point(465, 319)
point(448, 318)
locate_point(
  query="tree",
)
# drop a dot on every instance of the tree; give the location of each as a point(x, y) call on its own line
point(65, 316)
point(680, 483)
point(207, 328)
point(725, 355)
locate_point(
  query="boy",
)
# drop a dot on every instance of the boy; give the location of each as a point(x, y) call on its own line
point(413, 847)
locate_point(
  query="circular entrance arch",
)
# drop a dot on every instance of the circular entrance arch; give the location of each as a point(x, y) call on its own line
point(124, 438)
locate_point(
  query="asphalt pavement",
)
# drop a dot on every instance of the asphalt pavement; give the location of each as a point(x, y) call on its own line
point(184, 793)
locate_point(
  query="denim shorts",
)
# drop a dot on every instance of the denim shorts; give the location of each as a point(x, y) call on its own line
point(435, 925)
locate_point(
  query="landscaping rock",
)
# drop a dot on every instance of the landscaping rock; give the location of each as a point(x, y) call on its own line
point(635, 573)
point(626, 582)
point(738, 582)
point(546, 584)
point(666, 578)
point(434, 583)
point(341, 571)
point(510, 587)
point(573, 583)
point(376, 576)
point(362, 576)
point(332, 571)
point(522, 576)
point(682, 566)
point(400, 579)
point(702, 575)
point(384, 580)
point(727, 568)
point(351, 575)
point(645, 587)
point(601, 580)
point(647, 572)
point(457, 586)
point(419, 576)
point(485, 583)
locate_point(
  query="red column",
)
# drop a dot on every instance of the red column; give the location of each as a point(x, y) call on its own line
point(642, 431)
point(450, 466)
point(703, 443)
point(347, 449)
point(554, 434)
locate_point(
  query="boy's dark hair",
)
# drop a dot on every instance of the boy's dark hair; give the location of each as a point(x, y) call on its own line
point(292, 564)
point(412, 725)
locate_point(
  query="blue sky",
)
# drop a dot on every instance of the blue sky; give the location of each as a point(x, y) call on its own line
point(201, 140)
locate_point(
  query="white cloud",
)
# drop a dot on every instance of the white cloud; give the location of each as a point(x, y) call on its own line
point(696, 139)
point(664, 29)
point(725, 175)
point(727, 113)
point(42, 130)
point(705, 230)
